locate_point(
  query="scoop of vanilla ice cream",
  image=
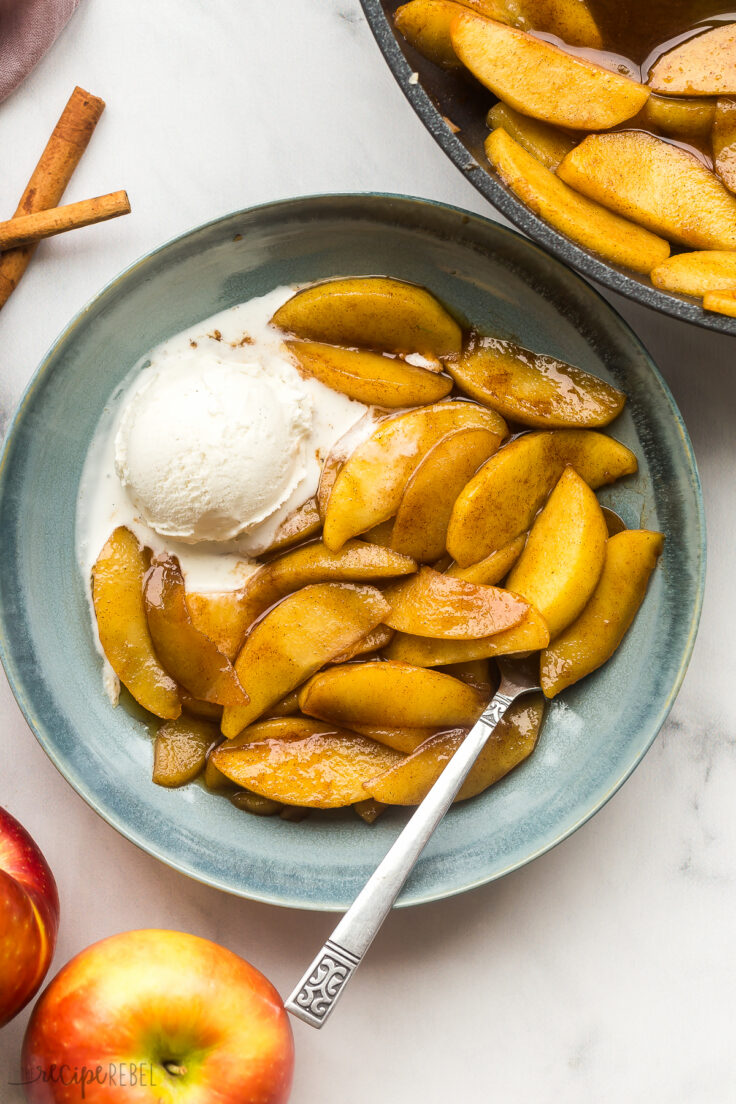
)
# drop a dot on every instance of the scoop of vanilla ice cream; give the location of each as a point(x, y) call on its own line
point(208, 450)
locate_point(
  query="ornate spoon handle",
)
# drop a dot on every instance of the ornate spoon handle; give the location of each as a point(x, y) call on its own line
point(317, 993)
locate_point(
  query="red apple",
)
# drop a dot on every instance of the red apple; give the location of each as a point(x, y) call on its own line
point(29, 917)
point(152, 1016)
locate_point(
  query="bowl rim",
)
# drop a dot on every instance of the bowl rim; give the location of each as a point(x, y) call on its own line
point(41, 727)
point(683, 307)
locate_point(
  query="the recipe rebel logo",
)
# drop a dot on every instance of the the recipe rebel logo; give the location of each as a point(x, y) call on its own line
point(112, 1075)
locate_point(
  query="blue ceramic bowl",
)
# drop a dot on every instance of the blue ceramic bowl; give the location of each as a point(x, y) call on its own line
point(592, 738)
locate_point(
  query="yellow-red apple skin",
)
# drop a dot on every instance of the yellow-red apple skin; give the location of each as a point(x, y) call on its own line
point(29, 917)
point(143, 998)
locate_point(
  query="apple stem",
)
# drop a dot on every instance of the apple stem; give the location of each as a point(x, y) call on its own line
point(174, 1069)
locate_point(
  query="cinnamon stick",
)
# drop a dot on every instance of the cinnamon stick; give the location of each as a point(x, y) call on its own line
point(26, 229)
point(53, 172)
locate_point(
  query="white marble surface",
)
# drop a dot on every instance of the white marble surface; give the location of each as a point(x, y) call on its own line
point(604, 971)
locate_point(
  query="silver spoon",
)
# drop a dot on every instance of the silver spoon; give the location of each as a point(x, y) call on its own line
point(324, 982)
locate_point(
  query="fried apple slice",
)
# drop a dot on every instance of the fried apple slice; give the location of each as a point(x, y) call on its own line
point(187, 654)
point(370, 378)
point(655, 183)
point(340, 452)
point(532, 388)
point(117, 594)
point(697, 273)
point(369, 810)
point(380, 534)
point(563, 557)
point(493, 568)
point(426, 25)
point(547, 143)
point(476, 672)
point(372, 642)
point(374, 312)
point(369, 485)
point(298, 761)
point(297, 637)
point(180, 751)
point(688, 120)
point(591, 640)
point(570, 20)
point(222, 617)
point(721, 302)
point(356, 562)
point(195, 707)
point(538, 79)
point(502, 499)
point(589, 224)
point(420, 527)
point(214, 779)
point(405, 740)
point(724, 141)
point(384, 694)
point(529, 635)
point(288, 705)
point(432, 604)
point(701, 66)
point(513, 740)
point(303, 522)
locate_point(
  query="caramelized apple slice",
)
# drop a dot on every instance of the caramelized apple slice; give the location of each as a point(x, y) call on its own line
point(502, 499)
point(426, 25)
point(302, 762)
point(655, 183)
point(381, 534)
point(476, 673)
point(529, 635)
point(538, 79)
point(563, 557)
point(420, 527)
point(612, 237)
point(180, 751)
point(532, 388)
point(443, 606)
point(187, 654)
point(374, 312)
point(547, 143)
point(303, 522)
point(369, 485)
point(341, 450)
point(513, 740)
point(117, 593)
point(298, 636)
point(288, 705)
point(697, 273)
point(724, 141)
point(405, 740)
point(494, 568)
point(195, 707)
point(372, 642)
point(689, 120)
point(356, 562)
point(722, 302)
point(370, 378)
point(221, 616)
point(369, 810)
point(591, 640)
point(570, 20)
point(701, 66)
point(384, 694)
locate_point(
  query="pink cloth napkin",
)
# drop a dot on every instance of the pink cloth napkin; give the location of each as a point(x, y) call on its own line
point(27, 29)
